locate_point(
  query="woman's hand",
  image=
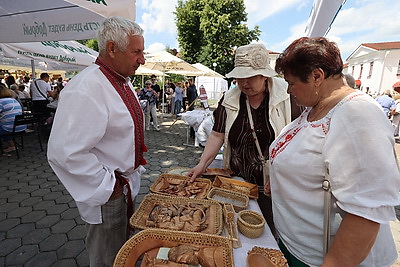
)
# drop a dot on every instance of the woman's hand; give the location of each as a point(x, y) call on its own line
point(196, 172)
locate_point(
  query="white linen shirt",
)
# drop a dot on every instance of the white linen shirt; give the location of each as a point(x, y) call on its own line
point(355, 142)
point(92, 136)
point(44, 88)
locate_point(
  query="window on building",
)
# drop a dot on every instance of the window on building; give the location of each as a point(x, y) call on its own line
point(361, 69)
point(352, 71)
point(371, 67)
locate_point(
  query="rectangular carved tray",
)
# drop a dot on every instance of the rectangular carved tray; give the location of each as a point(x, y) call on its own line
point(166, 180)
point(235, 185)
point(149, 239)
point(156, 208)
point(238, 200)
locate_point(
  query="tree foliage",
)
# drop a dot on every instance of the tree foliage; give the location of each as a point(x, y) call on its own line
point(91, 43)
point(210, 30)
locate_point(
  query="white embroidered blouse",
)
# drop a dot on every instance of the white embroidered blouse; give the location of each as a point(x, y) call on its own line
point(355, 141)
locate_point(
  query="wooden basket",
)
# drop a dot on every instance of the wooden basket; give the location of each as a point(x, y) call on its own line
point(235, 185)
point(149, 239)
point(251, 223)
point(164, 179)
point(266, 257)
point(213, 217)
point(238, 200)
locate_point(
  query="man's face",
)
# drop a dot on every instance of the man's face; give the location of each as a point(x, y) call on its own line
point(128, 61)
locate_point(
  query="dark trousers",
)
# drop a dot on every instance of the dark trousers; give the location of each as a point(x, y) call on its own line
point(40, 106)
point(265, 204)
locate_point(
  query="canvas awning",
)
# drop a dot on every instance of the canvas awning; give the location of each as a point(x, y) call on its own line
point(60, 52)
point(44, 20)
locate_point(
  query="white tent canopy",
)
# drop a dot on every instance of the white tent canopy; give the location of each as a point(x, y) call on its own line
point(69, 55)
point(206, 71)
point(32, 21)
point(166, 62)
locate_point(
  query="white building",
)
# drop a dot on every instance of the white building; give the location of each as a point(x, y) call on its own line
point(375, 66)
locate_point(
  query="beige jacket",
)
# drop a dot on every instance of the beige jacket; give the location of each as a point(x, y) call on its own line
point(279, 110)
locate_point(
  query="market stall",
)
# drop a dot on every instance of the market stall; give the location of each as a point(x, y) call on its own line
point(214, 221)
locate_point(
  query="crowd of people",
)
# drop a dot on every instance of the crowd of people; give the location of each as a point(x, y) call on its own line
point(28, 95)
point(293, 137)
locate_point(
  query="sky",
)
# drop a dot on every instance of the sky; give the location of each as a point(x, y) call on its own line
point(283, 21)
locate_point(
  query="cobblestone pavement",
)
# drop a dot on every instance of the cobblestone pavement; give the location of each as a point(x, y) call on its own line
point(39, 222)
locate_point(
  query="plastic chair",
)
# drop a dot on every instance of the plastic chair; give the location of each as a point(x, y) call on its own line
point(31, 120)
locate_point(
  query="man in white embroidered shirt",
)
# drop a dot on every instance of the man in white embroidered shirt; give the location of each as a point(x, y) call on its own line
point(96, 144)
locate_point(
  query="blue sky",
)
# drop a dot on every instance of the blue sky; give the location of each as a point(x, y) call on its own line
point(281, 22)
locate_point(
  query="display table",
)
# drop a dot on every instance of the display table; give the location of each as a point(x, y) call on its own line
point(266, 240)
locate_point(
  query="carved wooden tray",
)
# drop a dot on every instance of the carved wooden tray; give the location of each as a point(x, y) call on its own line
point(211, 217)
point(165, 180)
point(235, 185)
point(150, 239)
point(238, 200)
point(213, 172)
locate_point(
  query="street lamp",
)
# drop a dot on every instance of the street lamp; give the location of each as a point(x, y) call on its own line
point(214, 65)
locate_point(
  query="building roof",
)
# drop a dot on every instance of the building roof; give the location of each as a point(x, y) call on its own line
point(383, 46)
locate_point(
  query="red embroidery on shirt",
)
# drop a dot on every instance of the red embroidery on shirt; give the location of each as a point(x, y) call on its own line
point(120, 84)
point(290, 133)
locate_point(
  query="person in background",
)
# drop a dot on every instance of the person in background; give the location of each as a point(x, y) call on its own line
point(9, 108)
point(39, 90)
point(342, 136)
point(260, 97)
point(96, 143)
point(185, 86)
point(387, 103)
point(22, 94)
point(191, 97)
point(178, 98)
point(10, 80)
point(396, 117)
point(203, 97)
point(151, 96)
point(157, 89)
point(27, 83)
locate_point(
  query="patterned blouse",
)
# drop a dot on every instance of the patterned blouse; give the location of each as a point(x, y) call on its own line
point(245, 159)
point(9, 108)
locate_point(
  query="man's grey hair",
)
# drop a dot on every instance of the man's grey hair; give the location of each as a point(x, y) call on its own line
point(117, 29)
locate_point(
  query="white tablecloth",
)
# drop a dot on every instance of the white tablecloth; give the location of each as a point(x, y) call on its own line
point(266, 240)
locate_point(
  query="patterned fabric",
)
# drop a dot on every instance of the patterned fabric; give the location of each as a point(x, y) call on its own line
point(149, 96)
point(120, 84)
point(245, 159)
point(9, 108)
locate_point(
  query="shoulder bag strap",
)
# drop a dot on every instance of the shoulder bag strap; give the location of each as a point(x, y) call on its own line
point(40, 92)
point(326, 185)
point(263, 159)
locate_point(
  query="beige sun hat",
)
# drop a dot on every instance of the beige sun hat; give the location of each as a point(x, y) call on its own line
point(251, 60)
